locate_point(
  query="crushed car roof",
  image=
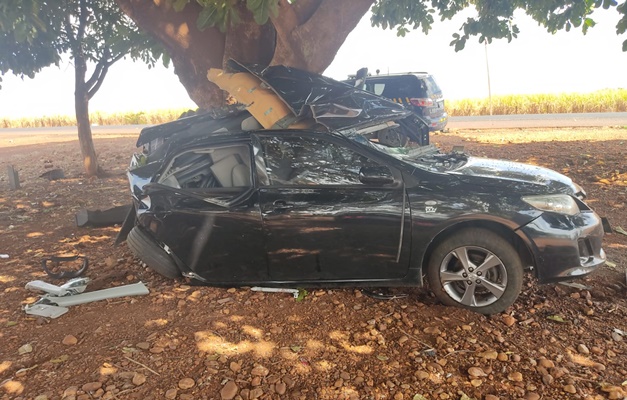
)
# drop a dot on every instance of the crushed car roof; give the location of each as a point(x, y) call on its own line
point(332, 104)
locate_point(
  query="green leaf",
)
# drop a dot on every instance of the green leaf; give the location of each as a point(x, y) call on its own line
point(179, 5)
point(262, 9)
point(11, 323)
point(302, 293)
point(295, 349)
point(206, 18)
point(556, 318)
point(60, 359)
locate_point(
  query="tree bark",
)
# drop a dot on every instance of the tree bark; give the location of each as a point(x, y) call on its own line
point(81, 107)
point(306, 34)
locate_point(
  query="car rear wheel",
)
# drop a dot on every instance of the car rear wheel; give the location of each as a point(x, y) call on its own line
point(476, 269)
point(145, 248)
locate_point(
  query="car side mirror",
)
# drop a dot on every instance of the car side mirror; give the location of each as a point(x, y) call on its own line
point(378, 175)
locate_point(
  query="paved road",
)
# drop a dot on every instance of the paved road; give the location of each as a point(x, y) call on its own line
point(482, 122)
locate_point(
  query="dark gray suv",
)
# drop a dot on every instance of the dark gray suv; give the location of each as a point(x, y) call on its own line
point(417, 91)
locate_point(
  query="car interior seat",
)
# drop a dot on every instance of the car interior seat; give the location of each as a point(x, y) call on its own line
point(230, 171)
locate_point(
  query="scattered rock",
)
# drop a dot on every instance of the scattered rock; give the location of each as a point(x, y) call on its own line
point(186, 383)
point(27, 348)
point(515, 376)
point(91, 386)
point(476, 372)
point(547, 379)
point(259, 370)
point(617, 336)
point(229, 391)
point(508, 320)
point(583, 349)
point(570, 389)
point(143, 345)
point(489, 355)
point(69, 340)
point(170, 394)
point(280, 387)
point(139, 379)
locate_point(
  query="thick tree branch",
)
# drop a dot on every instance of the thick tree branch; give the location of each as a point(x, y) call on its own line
point(101, 76)
point(304, 9)
point(286, 21)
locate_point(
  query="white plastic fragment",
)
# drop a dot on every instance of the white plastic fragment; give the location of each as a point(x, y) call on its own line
point(294, 292)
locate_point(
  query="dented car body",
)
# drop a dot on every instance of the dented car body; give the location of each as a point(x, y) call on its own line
point(343, 189)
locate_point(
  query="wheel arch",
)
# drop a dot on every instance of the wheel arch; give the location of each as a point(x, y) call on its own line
point(505, 231)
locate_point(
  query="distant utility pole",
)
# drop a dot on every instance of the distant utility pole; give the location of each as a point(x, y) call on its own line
point(487, 67)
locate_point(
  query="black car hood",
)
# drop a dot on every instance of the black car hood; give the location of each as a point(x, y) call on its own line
point(331, 103)
point(515, 175)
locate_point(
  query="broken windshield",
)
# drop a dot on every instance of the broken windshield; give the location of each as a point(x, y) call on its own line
point(425, 157)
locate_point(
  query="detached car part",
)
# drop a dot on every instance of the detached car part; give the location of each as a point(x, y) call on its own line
point(55, 262)
point(57, 298)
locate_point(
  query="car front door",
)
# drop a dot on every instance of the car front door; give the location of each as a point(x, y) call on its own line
point(321, 221)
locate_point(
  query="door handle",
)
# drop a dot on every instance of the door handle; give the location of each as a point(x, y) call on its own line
point(280, 205)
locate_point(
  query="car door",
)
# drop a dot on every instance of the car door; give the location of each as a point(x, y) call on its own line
point(320, 221)
point(205, 209)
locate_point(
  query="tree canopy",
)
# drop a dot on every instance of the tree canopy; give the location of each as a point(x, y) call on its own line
point(35, 34)
point(203, 34)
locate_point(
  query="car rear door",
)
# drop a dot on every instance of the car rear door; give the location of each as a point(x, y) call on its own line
point(204, 209)
point(320, 221)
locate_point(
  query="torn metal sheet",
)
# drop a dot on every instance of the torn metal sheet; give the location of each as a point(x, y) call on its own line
point(135, 289)
point(71, 287)
point(57, 298)
point(45, 310)
point(294, 292)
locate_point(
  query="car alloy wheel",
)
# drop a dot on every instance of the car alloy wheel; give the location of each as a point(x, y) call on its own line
point(476, 269)
point(473, 276)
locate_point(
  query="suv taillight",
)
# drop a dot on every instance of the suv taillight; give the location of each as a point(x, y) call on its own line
point(427, 102)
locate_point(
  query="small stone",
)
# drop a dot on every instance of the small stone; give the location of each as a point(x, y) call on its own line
point(170, 394)
point(547, 379)
point(143, 345)
point(41, 397)
point(598, 366)
point(515, 376)
point(489, 355)
point(509, 320)
point(476, 372)
point(547, 363)
point(70, 392)
point(229, 391)
point(476, 382)
point(583, 349)
point(491, 397)
point(27, 348)
point(345, 375)
point(235, 367)
point(398, 396)
point(532, 396)
point(139, 379)
point(69, 340)
point(422, 374)
point(186, 383)
point(502, 357)
point(280, 387)
point(259, 370)
point(432, 330)
point(91, 386)
point(570, 389)
point(617, 337)
point(255, 393)
point(402, 339)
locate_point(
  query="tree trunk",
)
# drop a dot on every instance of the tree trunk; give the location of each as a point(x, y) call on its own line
point(81, 107)
point(306, 34)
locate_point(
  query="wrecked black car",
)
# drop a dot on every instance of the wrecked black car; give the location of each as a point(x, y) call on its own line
point(309, 182)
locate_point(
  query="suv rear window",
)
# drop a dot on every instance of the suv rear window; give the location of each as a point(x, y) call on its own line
point(398, 86)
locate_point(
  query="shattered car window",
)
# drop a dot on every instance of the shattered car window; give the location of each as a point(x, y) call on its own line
point(308, 161)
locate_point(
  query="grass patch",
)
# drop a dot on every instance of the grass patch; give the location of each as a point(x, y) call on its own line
point(609, 100)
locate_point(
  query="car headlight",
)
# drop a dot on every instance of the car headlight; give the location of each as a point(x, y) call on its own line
point(557, 203)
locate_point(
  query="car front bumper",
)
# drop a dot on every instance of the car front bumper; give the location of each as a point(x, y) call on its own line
point(565, 247)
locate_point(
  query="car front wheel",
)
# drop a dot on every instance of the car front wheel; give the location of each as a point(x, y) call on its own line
point(476, 269)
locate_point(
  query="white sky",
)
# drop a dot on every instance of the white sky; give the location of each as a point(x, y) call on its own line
point(536, 62)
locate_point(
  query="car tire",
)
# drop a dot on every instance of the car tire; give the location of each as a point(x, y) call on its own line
point(145, 248)
point(491, 279)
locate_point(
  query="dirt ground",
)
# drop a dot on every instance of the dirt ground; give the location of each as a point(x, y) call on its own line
point(190, 342)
